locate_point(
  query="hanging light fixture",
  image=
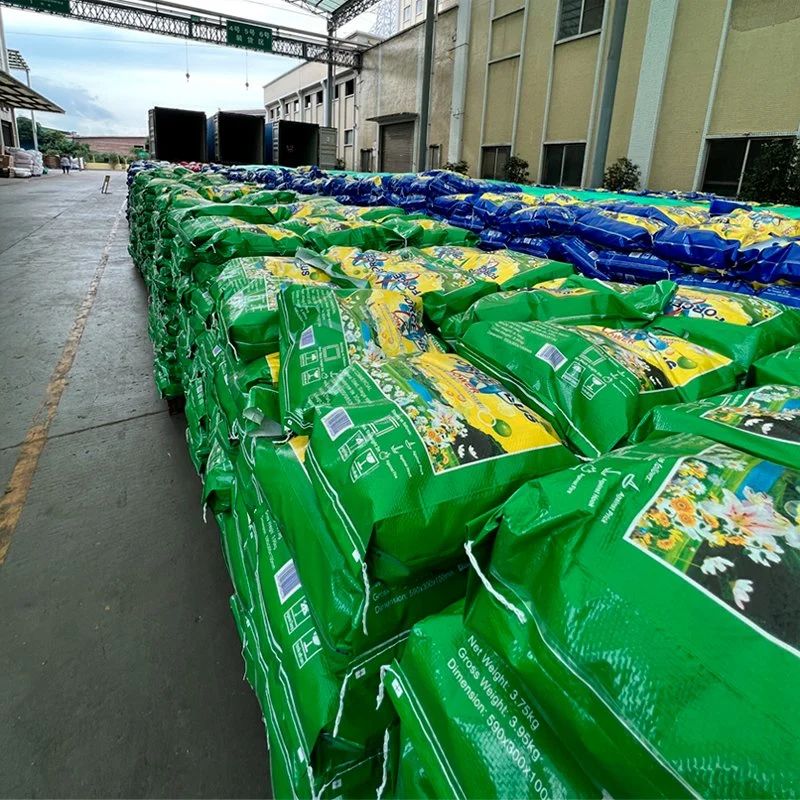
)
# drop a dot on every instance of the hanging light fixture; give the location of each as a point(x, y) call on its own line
point(187, 61)
point(246, 73)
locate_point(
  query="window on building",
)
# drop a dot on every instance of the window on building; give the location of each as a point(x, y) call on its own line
point(286, 109)
point(434, 156)
point(407, 14)
point(728, 162)
point(307, 101)
point(420, 7)
point(350, 87)
point(348, 137)
point(319, 98)
point(563, 164)
point(336, 92)
point(493, 159)
point(272, 113)
point(296, 106)
point(580, 16)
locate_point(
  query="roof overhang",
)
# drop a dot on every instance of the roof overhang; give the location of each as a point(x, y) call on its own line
point(15, 94)
point(389, 119)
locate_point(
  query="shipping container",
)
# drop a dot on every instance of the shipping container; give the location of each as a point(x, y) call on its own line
point(236, 138)
point(327, 148)
point(295, 144)
point(177, 134)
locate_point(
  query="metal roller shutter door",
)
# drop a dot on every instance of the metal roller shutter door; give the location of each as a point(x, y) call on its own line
point(397, 144)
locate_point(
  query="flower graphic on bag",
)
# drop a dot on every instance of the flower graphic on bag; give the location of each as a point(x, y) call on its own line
point(726, 527)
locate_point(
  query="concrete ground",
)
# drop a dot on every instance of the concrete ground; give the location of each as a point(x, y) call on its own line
point(120, 667)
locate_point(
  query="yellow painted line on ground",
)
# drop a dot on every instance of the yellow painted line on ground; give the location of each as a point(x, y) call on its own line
point(16, 494)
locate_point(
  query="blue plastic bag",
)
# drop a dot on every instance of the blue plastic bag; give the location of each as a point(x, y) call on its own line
point(541, 246)
point(637, 267)
point(577, 252)
point(616, 230)
point(770, 261)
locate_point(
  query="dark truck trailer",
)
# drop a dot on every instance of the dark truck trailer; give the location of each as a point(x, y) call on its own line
point(294, 144)
point(177, 134)
point(298, 144)
point(236, 138)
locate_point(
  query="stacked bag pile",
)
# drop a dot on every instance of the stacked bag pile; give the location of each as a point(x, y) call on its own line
point(693, 238)
point(495, 528)
point(25, 163)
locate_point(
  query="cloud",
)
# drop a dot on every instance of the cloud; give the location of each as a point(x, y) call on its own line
point(76, 100)
point(107, 78)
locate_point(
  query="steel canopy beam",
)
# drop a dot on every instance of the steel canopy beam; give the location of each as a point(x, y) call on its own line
point(183, 22)
point(349, 10)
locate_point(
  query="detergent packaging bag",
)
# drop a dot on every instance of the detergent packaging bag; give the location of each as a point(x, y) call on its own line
point(450, 441)
point(594, 383)
point(506, 268)
point(354, 611)
point(781, 367)
point(572, 301)
point(424, 232)
point(617, 230)
point(473, 725)
point(763, 421)
point(742, 327)
point(646, 601)
point(320, 234)
point(323, 330)
point(316, 724)
point(443, 290)
point(246, 293)
point(230, 237)
point(247, 393)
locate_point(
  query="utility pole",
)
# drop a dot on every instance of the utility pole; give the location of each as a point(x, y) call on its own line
point(33, 114)
point(425, 97)
point(329, 87)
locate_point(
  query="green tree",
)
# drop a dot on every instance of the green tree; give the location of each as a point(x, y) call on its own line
point(457, 166)
point(515, 170)
point(25, 132)
point(622, 174)
point(774, 176)
point(51, 141)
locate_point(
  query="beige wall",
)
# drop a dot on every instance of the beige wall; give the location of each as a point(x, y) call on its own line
point(294, 80)
point(571, 95)
point(756, 93)
point(501, 85)
point(573, 75)
point(683, 108)
point(476, 78)
point(533, 91)
point(758, 87)
point(390, 78)
point(630, 62)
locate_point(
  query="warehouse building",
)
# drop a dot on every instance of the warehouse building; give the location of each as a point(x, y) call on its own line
point(390, 97)
point(298, 95)
point(412, 12)
point(687, 89)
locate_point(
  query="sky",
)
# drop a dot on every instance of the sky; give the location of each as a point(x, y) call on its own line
point(107, 78)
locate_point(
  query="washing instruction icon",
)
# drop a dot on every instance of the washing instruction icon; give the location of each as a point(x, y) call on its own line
point(363, 464)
